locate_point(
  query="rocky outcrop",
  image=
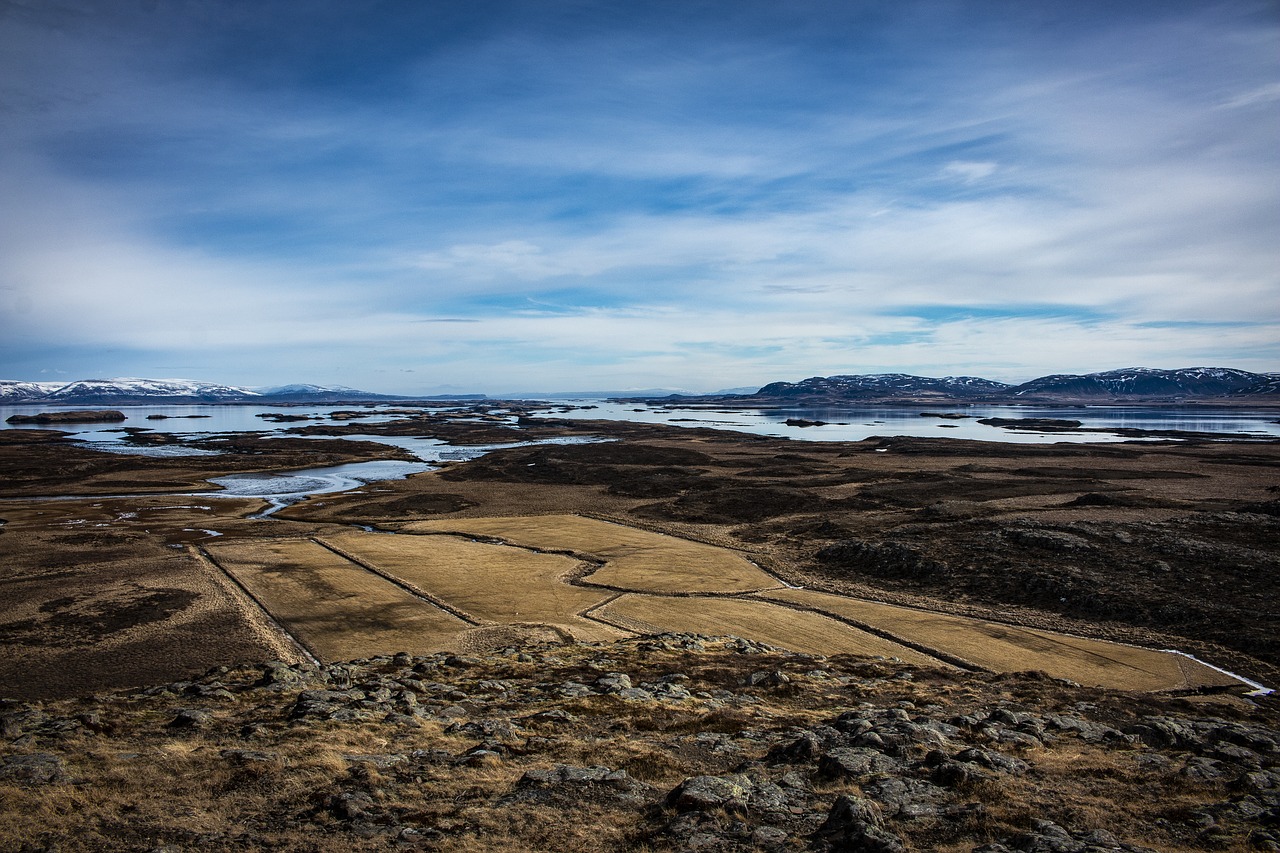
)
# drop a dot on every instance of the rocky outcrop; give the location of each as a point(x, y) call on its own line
point(82, 416)
point(679, 741)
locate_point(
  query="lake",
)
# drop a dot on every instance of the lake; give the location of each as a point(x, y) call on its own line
point(843, 424)
point(858, 422)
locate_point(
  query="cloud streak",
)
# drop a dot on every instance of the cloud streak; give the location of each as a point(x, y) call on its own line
point(636, 195)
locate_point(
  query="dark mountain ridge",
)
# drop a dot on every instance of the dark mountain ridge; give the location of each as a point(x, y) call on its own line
point(1126, 385)
point(1145, 383)
point(853, 387)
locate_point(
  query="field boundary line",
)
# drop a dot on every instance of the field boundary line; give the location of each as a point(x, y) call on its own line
point(571, 578)
point(923, 649)
point(401, 583)
point(272, 621)
point(654, 528)
point(756, 559)
point(622, 623)
point(1058, 636)
point(491, 539)
point(989, 615)
point(583, 580)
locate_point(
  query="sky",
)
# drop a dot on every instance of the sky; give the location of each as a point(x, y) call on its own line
point(559, 195)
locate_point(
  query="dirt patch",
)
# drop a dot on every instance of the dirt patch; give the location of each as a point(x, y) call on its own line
point(734, 504)
point(83, 621)
point(943, 487)
point(626, 468)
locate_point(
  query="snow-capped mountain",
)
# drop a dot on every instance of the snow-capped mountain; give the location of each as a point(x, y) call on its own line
point(1270, 384)
point(304, 393)
point(882, 385)
point(1136, 384)
point(303, 388)
point(125, 389)
point(12, 391)
point(1147, 383)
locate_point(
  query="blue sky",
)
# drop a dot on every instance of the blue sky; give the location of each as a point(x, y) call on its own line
point(539, 196)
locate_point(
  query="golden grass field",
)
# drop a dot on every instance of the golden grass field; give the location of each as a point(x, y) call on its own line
point(760, 621)
point(1004, 648)
point(635, 560)
point(490, 583)
point(356, 594)
point(334, 607)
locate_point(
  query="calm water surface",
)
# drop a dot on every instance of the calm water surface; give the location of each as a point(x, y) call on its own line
point(855, 424)
point(843, 424)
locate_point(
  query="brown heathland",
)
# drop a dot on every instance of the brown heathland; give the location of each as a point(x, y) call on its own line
point(1161, 546)
point(539, 743)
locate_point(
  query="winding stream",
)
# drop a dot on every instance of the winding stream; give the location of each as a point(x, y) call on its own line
point(282, 488)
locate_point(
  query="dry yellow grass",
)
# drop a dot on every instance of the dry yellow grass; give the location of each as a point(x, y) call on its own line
point(495, 583)
point(756, 620)
point(340, 609)
point(337, 609)
point(1007, 648)
point(636, 560)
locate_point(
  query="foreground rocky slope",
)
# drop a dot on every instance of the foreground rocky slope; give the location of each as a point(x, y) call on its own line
point(674, 742)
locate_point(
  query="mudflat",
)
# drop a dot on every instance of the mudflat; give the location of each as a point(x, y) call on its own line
point(1083, 561)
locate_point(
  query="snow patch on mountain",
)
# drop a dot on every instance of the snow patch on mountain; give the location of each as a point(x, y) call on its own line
point(13, 391)
point(129, 387)
point(303, 388)
point(852, 386)
point(1148, 382)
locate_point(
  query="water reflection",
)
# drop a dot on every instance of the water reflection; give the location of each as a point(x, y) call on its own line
point(283, 488)
point(280, 489)
point(855, 423)
point(840, 424)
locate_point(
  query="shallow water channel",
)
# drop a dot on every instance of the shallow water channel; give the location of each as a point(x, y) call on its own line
point(282, 488)
point(207, 422)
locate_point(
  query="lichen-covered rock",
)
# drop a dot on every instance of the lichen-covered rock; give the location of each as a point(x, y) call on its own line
point(1048, 837)
point(39, 768)
point(992, 760)
point(190, 718)
point(704, 793)
point(855, 763)
point(854, 824)
point(802, 750)
point(613, 682)
point(563, 773)
point(572, 783)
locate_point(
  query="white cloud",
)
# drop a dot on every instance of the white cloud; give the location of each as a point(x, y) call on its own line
point(970, 172)
point(733, 211)
point(1261, 95)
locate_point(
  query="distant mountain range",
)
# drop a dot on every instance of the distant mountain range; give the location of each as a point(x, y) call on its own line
point(1132, 384)
point(125, 392)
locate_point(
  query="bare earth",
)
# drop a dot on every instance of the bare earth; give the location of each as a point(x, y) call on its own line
point(989, 557)
point(936, 644)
